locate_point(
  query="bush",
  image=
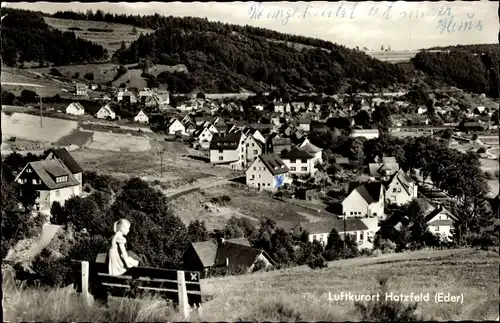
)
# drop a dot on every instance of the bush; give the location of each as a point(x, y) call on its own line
point(481, 150)
point(46, 270)
point(386, 311)
point(55, 72)
point(259, 265)
point(317, 262)
point(76, 75)
point(89, 76)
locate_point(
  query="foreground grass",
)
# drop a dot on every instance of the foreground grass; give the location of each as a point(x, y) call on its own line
point(298, 294)
point(302, 293)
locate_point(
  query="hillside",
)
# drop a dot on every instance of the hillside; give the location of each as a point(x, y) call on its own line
point(298, 294)
point(27, 38)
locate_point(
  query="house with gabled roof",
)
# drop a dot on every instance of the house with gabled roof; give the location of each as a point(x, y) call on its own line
point(315, 151)
point(255, 133)
point(175, 127)
point(254, 147)
point(440, 221)
point(279, 107)
point(52, 180)
point(75, 108)
point(106, 113)
point(320, 231)
point(80, 89)
point(267, 172)
point(204, 136)
point(63, 155)
point(141, 117)
point(299, 162)
point(223, 255)
point(400, 189)
point(190, 128)
point(228, 149)
point(383, 168)
point(298, 106)
point(364, 200)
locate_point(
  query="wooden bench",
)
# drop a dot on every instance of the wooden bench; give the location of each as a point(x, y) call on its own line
point(181, 287)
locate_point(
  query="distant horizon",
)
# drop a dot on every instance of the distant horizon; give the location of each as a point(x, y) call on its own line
point(403, 26)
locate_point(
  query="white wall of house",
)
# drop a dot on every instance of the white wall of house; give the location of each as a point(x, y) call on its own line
point(355, 205)
point(218, 156)
point(103, 114)
point(60, 195)
point(141, 117)
point(262, 258)
point(300, 166)
point(305, 126)
point(176, 126)
point(367, 135)
point(205, 137)
point(253, 149)
point(72, 109)
point(361, 236)
point(396, 193)
point(441, 229)
point(259, 177)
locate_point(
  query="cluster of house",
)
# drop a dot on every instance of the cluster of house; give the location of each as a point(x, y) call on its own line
point(55, 178)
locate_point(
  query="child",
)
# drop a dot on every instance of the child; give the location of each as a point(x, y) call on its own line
point(119, 260)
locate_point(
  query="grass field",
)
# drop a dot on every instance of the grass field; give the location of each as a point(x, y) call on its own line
point(27, 127)
point(147, 165)
point(280, 296)
point(118, 142)
point(296, 294)
point(244, 202)
point(77, 137)
point(109, 40)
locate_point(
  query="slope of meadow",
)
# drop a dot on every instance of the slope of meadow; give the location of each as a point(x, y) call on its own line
point(298, 294)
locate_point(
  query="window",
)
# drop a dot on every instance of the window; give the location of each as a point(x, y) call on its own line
point(253, 145)
point(300, 228)
point(255, 152)
point(394, 190)
point(37, 207)
point(58, 193)
point(292, 161)
point(254, 168)
point(268, 184)
point(304, 169)
point(351, 213)
point(221, 151)
point(303, 161)
point(399, 190)
point(253, 176)
point(260, 176)
point(29, 170)
point(292, 169)
point(37, 194)
point(314, 237)
point(35, 181)
point(72, 191)
point(221, 158)
point(374, 214)
point(361, 235)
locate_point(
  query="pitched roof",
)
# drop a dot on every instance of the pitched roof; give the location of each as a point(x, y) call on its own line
point(310, 148)
point(107, 108)
point(404, 179)
point(228, 141)
point(295, 153)
point(77, 105)
point(370, 191)
point(68, 160)
point(341, 160)
point(238, 255)
point(328, 226)
point(274, 164)
point(47, 170)
point(206, 251)
point(378, 169)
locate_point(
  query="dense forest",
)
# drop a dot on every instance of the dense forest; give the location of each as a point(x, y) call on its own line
point(27, 38)
point(226, 58)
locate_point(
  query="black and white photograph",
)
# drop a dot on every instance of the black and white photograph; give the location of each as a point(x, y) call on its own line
point(250, 161)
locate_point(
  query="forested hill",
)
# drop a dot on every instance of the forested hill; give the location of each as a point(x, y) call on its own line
point(27, 38)
point(225, 58)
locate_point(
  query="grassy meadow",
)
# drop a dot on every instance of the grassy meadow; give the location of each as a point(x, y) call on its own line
point(296, 294)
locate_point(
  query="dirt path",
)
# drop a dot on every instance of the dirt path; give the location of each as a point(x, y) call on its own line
point(23, 84)
point(172, 194)
point(48, 233)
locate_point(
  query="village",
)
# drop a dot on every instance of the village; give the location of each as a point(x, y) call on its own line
point(272, 154)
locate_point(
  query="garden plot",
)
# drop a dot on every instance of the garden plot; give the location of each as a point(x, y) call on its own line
point(118, 142)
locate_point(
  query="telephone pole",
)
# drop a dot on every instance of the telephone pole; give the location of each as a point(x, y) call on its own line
point(41, 114)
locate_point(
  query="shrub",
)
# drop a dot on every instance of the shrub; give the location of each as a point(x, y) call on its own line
point(386, 311)
point(89, 76)
point(225, 198)
point(55, 72)
point(46, 270)
point(76, 75)
point(317, 262)
point(481, 150)
point(259, 265)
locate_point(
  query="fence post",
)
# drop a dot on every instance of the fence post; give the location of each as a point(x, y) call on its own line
point(85, 282)
point(182, 292)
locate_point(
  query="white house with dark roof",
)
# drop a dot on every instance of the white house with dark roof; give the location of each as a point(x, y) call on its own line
point(315, 151)
point(254, 148)
point(305, 124)
point(364, 200)
point(440, 221)
point(80, 89)
point(228, 149)
point(141, 117)
point(106, 113)
point(401, 189)
point(320, 231)
point(65, 157)
point(75, 108)
point(267, 172)
point(299, 162)
point(175, 127)
point(52, 180)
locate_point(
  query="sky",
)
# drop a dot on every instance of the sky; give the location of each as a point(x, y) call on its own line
point(398, 25)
